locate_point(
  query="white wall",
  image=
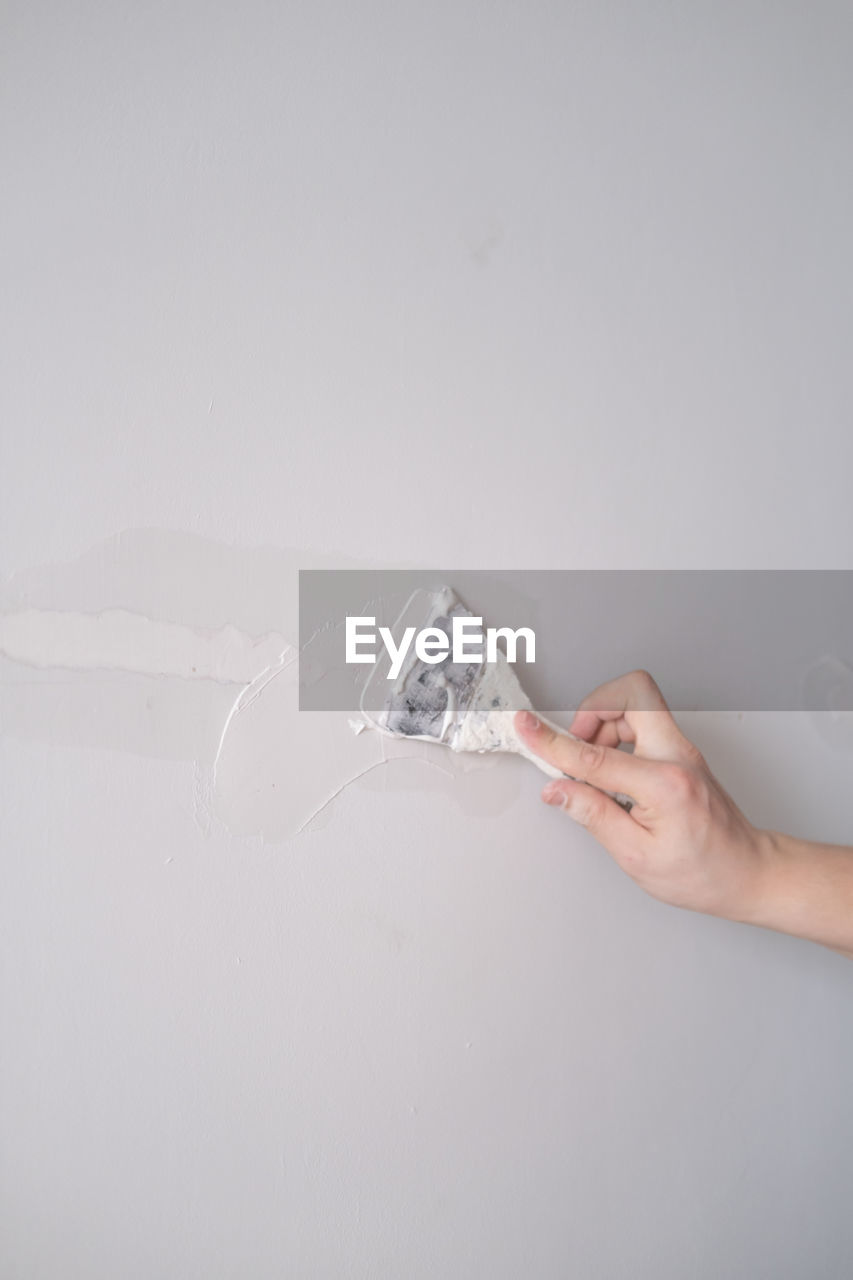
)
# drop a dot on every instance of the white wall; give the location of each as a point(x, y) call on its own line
point(477, 284)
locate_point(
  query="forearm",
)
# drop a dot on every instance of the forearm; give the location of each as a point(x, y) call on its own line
point(805, 889)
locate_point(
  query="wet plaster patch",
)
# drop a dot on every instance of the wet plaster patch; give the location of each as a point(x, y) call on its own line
point(173, 646)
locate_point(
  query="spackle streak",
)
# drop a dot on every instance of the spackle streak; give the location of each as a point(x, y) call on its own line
point(174, 647)
point(248, 696)
point(376, 765)
point(118, 640)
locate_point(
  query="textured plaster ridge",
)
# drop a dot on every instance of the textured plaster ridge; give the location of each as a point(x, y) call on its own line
point(119, 640)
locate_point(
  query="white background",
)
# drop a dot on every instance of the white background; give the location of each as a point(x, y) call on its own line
point(497, 285)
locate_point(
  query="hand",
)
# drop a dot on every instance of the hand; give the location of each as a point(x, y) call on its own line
point(684, 841)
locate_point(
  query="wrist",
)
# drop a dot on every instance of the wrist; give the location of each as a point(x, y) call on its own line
point(763, 866)
point(773, 870)
point(803, 888)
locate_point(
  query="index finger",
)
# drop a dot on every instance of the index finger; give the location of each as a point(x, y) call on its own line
point(604, 767)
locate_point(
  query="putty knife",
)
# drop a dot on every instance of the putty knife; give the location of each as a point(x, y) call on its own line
point(466, 706)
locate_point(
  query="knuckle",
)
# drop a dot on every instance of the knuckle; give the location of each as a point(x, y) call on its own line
point(644, 680)
point(693, 755)
point(591, 756)
point(585, 808)
point(646, 691)
point(680, 781)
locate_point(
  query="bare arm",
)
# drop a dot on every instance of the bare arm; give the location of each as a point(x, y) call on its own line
point(685, 841)
point(808, 891)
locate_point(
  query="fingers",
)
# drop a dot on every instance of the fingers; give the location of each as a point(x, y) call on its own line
point(601, 726)
point(603, 818)
point(610, 733)
point(632, 709)
point(604, 767)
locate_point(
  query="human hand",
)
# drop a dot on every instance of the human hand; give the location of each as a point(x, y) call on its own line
point(684, 841)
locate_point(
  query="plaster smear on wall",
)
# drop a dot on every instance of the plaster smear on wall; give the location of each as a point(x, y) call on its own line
point(266, 780)
point(118, 640)
point(169, 645)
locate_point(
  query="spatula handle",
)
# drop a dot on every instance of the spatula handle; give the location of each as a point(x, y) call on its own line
point(553, 772)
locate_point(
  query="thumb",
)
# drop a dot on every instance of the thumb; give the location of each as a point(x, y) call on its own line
point(591, 808)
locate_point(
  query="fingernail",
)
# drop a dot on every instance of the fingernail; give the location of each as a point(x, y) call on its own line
point(527, 720)
point(552, 794)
